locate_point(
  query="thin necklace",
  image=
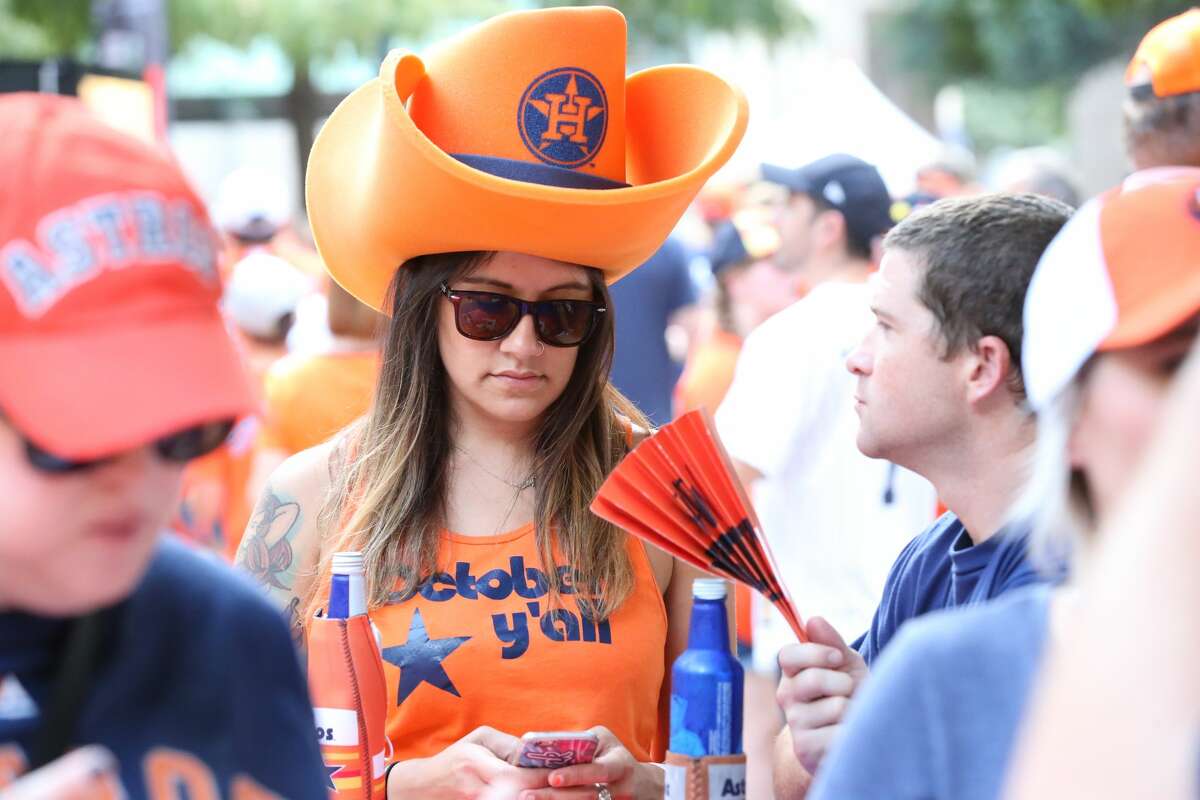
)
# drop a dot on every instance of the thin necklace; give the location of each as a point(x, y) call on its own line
point(520, 487)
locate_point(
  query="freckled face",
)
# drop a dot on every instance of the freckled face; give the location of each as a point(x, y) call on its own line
point(910, 400)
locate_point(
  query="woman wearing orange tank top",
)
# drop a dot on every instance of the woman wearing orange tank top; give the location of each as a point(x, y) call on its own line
point(483, 198)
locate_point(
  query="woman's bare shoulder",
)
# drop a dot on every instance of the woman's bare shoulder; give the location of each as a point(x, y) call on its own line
point(307, 475)
point(662, 564)
point(281, 546)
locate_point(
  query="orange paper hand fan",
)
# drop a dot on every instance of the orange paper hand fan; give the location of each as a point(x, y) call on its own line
point(678, 491)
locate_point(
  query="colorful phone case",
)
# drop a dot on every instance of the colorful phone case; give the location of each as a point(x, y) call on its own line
point(554, 750)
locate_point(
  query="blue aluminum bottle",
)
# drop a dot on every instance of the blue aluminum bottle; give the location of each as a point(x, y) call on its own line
point(706, 680)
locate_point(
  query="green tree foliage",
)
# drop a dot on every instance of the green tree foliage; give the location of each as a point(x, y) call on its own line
point(671, 22)
point(34, 29)
point(1022, 43)
point(1017, 60)
point(313, 29)
point(308, 29)
point(305, 29)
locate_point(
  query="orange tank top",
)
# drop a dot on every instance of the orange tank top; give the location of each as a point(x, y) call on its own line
point(479, 645)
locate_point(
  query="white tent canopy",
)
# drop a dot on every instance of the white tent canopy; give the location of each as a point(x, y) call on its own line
point(805, 105)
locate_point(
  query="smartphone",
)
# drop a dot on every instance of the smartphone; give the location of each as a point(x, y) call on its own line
point(558, 749)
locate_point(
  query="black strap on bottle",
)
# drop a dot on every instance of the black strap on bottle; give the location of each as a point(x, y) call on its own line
point(80, 655)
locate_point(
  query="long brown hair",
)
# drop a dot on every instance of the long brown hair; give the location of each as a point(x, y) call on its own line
point(389, 478)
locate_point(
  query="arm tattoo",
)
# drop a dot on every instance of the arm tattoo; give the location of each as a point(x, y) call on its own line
point(266, 551)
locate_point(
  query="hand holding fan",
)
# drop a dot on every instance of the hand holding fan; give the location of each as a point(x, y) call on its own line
point(678, 491)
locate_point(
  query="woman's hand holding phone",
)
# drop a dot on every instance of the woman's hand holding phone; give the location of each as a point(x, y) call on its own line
point(555, 750)
point(614, 767)
point(479, 765)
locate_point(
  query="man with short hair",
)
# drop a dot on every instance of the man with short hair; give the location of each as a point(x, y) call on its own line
point(836, 207)
point(788, 419)
point(1162, 109)
point(940, 392)
point(835, 518)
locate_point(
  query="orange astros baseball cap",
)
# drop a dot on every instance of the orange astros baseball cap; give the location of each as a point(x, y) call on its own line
point(110, 336)
point(1122, 272)
point(523, 134)
point(1167, 62)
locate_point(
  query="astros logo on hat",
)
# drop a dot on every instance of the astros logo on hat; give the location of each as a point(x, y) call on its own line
point(521, 134)
point(562, 117)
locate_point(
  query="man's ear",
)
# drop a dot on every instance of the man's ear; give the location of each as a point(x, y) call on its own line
point(990, 364)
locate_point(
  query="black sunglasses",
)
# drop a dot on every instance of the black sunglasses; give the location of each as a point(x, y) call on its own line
point(176, 447)
point(487, 316)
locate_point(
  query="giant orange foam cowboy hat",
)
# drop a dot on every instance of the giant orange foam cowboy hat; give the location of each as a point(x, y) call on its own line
point(521, 134)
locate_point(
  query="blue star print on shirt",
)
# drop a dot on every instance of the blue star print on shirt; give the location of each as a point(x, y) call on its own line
point(420, 659)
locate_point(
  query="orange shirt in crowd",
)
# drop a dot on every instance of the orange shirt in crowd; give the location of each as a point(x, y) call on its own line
point(708, 373)
point(214, 504)
point(309, 398)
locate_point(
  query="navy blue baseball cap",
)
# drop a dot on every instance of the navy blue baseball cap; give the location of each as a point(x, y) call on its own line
point(848, 184)
point(728, 249)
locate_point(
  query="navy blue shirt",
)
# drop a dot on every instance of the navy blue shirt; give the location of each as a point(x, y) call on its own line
point(643, 303)
point(198, 668)
point(939, 717)
point(944, 568)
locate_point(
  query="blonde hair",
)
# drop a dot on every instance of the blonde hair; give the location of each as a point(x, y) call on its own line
point(1056, 500)
point(389, 477)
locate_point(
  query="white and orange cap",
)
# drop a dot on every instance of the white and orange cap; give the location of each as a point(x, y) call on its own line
point(1124, 271)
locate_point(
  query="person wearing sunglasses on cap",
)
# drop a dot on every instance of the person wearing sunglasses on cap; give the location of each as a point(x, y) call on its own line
point(115, 370)
point(1110, 315)
point(483, 198)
